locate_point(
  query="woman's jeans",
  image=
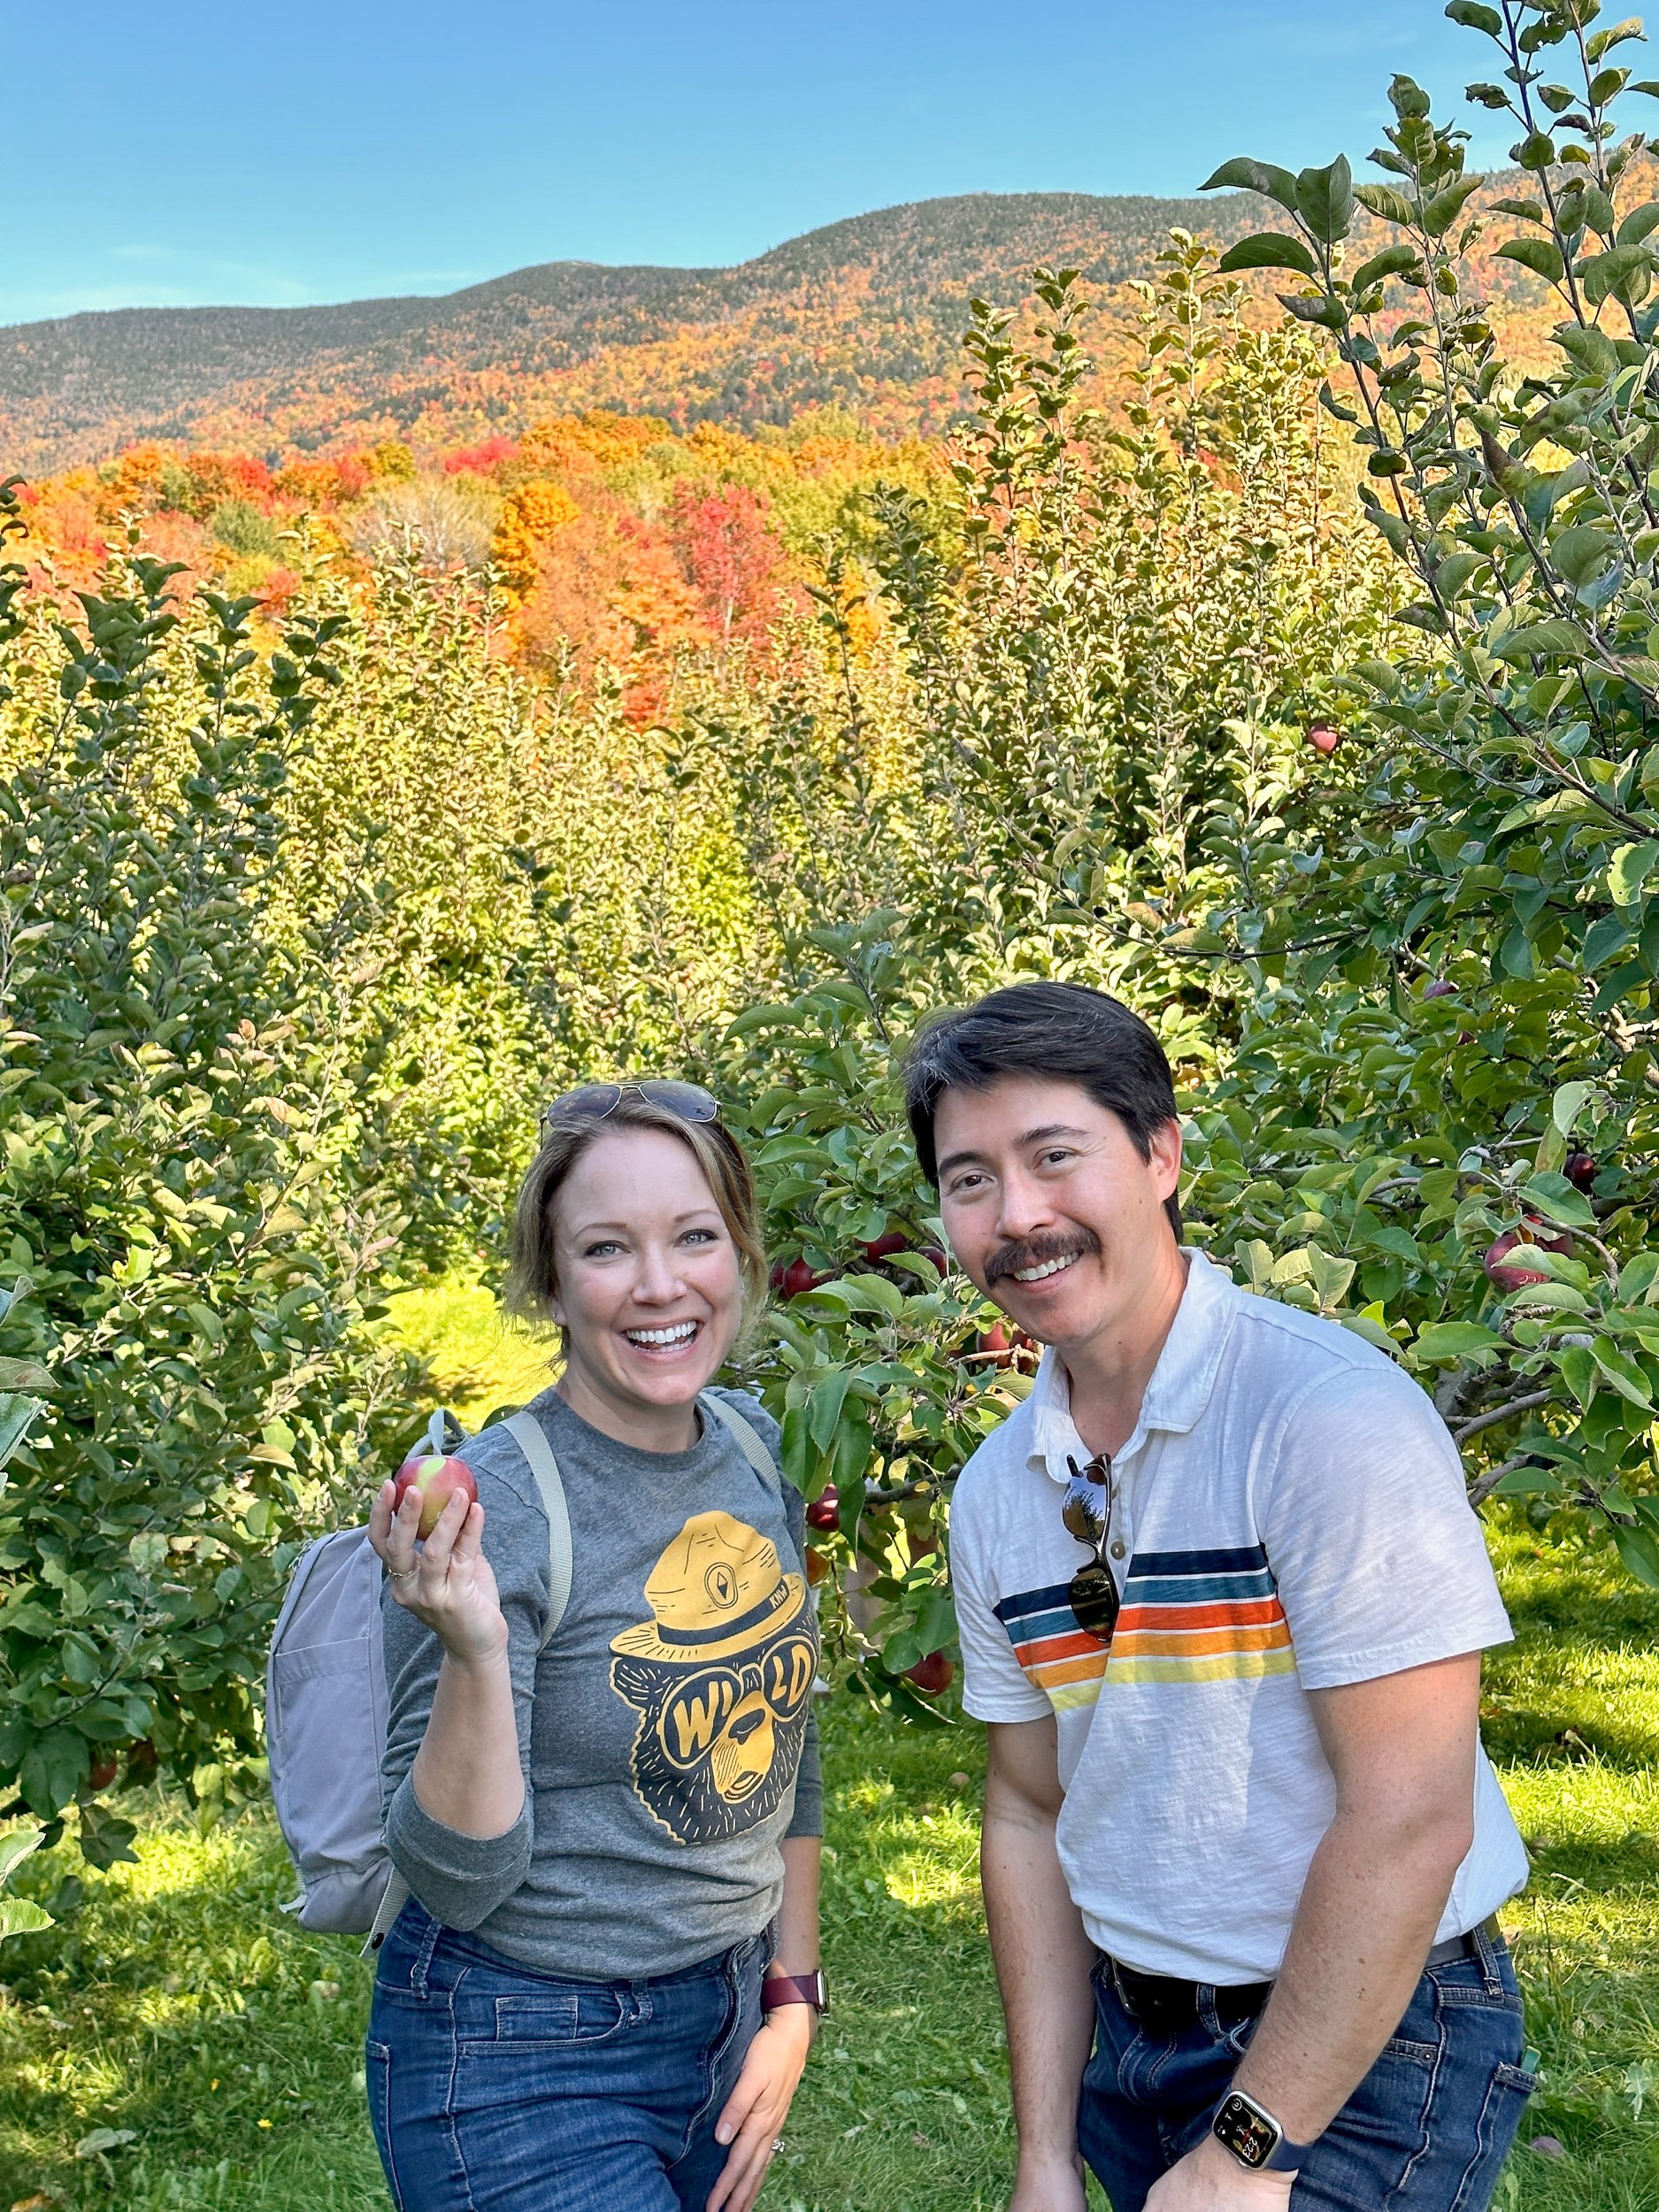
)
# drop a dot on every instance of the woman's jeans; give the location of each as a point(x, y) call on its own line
point(492, 2085)
point(1426, 2131)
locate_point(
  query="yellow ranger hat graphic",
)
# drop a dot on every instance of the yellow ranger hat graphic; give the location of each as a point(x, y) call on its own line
point(716, 1591)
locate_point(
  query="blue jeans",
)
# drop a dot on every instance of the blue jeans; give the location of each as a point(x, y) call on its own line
point(1426, 2131)
point(492, 2085)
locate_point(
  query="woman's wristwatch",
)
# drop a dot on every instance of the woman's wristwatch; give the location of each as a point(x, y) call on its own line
point(793, 1989)
point(1253, 2135)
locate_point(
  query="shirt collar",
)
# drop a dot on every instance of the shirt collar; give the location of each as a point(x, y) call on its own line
point(1182, 1382)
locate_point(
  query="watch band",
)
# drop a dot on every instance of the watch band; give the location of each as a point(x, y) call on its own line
point(1255, 2138)
point(793, 1989)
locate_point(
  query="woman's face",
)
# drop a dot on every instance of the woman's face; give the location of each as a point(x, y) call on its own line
point(650, 1290)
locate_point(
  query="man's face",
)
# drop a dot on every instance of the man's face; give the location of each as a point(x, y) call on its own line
point(1049, 1206)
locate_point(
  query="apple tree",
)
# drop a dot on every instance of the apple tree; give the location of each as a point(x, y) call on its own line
point(1445, 1097)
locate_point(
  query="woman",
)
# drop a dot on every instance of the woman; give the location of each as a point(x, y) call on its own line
point(610, 1842)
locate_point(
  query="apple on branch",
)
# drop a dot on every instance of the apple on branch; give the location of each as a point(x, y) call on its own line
point(436, 1477)
point(1508, 1277)
point(931, 1675)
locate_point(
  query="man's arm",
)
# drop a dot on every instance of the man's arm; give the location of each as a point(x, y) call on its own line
point(1043, 1961)
point(1403, 1751)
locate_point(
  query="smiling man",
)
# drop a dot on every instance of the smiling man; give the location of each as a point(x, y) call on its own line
point(1222, 1603)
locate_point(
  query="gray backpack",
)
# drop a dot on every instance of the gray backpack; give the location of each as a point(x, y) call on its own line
point(326, 1707)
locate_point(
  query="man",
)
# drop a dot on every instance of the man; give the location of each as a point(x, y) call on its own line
point(1222, 1603)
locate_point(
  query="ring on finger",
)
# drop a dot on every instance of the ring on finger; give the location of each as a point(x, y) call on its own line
point(400, 1574)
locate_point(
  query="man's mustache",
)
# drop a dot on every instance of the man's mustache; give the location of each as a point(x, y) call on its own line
point(1038, 1251)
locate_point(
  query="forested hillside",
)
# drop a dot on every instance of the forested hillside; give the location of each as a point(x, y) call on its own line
point(867, 314)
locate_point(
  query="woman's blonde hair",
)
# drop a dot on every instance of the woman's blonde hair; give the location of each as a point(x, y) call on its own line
point(532, 1272)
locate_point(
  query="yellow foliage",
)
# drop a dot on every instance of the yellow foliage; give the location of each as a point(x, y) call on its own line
point(530, 518)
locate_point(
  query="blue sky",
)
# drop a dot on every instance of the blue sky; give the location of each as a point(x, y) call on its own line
point(310, 150)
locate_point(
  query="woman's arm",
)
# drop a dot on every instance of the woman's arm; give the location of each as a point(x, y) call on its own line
point(758, 2108)
point(458, 1821)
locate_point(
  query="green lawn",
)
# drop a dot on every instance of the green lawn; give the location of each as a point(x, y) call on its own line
point(175, 2002)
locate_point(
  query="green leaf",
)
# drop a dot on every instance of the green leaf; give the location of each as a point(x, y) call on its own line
point(1386, 202)
point(53, 1769)
point(1580, 1373)
point(19, 1915)
point(1553, 1197)
point(1474, 16)
point(1541, 639)
point(1325, 198)
point(1582, 552)
point(1392, 261)
point(1590, 350)
point(1542, 256)
point(1639, 223)
point(1622, 1372)
point(824, 1407)
point(1629, 870)
point(1455, 1340)
point(1568, 1102)
point(1627, 270)
point(1638, 1548)
point(1264, 177)
point(1268, 250)
point(16, 1847)
point(1441, 213)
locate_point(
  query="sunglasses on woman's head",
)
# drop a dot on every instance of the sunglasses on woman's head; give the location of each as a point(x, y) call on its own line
point(592, 1101)
point(1087, 1510)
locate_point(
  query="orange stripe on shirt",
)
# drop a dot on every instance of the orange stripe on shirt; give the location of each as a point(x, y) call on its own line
point(1043, 1648)
point(1243, 1611)
point(1166, 1644)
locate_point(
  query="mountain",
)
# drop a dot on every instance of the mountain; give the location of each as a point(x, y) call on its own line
point(866, 314)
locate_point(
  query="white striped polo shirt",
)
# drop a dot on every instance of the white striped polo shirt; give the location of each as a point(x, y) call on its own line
point(1288, 1515)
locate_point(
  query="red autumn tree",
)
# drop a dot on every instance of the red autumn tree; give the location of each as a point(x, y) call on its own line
point(730, 558)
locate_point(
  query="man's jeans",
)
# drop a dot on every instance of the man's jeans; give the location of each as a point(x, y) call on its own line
point(1426, 2131)
point(491, 2085)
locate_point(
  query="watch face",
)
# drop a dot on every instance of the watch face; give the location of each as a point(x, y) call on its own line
point(1248, 2134)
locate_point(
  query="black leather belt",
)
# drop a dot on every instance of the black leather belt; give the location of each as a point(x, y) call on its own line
point(1166, 2004)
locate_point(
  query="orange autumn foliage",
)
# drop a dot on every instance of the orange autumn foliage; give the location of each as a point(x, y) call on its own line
point(530, 520)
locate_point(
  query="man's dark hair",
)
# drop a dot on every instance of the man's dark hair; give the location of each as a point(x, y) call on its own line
point(1064, 1032)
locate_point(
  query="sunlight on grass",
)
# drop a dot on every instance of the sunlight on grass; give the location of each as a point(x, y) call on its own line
point(477, 1359)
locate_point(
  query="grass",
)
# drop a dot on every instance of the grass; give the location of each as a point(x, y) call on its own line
point(178, 2008)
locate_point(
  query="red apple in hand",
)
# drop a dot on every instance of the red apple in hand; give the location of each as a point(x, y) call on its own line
point(437, 1477)
point(931, 1675)
point(825, 1510)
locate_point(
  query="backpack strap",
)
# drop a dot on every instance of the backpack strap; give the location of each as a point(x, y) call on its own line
point(748, 1439)
point(528, 1434)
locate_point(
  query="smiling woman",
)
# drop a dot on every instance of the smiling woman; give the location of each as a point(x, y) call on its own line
point(608, 1832)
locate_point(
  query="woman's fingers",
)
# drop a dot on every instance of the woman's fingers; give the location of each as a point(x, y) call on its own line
point(380, 1516)
point(745, 2170)
point(469, 1540)
point(749, 2087)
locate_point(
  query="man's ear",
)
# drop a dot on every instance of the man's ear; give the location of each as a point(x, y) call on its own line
point(1165, 1158)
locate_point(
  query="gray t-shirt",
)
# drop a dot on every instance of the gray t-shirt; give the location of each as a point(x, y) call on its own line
point(666, 1732)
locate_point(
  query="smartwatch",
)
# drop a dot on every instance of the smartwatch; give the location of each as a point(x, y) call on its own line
point(1255, 2136)
point(793, 1989)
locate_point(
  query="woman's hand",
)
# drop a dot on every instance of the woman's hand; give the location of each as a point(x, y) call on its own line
point(756, 2108)
point(446, 1583)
